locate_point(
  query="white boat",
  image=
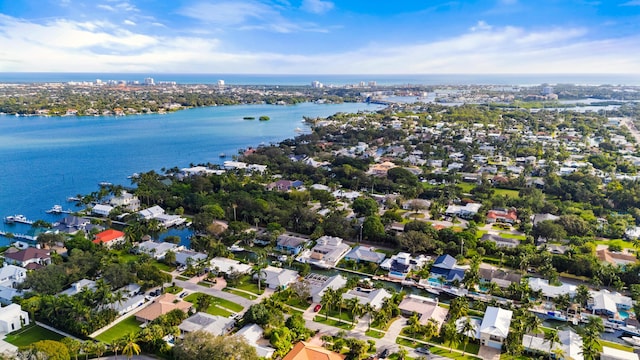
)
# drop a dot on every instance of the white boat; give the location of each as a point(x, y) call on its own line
point(56, 209)
point(105, 183)
point(235, 248)
point(17, 219)
point(633, 340)
point(298, 129)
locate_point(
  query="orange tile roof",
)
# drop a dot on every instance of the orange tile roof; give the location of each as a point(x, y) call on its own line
point(161, 306)
point(304, 351)
point(108, 235)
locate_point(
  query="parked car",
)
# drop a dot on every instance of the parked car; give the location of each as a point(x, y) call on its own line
point(317, 308)
point(384, 354)
point(423, 350)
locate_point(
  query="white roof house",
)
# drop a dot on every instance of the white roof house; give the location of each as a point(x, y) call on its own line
point(183, 256)
point(375, 298)
point(328, 251)
point(78, 286)
point(151, 212)
point(226, 266)
point(551, 291)
point(318, 284)
point(12, 318)
point(570, 343)
point(213, 324)
point(609, 302)
point(616, 354)
point(127, 200)
point(156, 249)
point(12, 275)
point(7, 294)
point(495, 326)
point(253, 334)
point(102, 210)
point(277, 278)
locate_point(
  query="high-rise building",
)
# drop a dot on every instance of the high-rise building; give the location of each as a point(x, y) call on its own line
point(149, 81)
point(317, 84)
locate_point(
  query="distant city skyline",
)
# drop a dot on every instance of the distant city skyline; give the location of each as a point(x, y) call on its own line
point(320, 36)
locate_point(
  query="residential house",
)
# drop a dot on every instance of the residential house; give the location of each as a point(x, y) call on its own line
point(290, 244)
point(366, 254)
point(502, 278)
point(72, 224)
point(109, 238)
point(468, 211)
point(151, 213)
point(156, 250)
point(226, 266)
point(381, 169)
point(509, 216)
point(537, 218)
point(213, 324)
point(160, 306)
point(609, 353)
point(305, 351)
point(101, 210)
point(608, 303)
point(328, 251)
point(373, 297)
point(126, 200)
point(277, 278)
point(78, 286)
point(416, 204)
point(131, 290)
point(500, 241)
point(184, 257)
point(445, 267)
point(29, 258)
point(285, 185)
point(12, 275)
point(570, 345)
point(318, 284)
point(495, 327)
point(400, 264)
point(632, 233)
point(129, 304)
point(616, 258)
point(551, 291)
point(12, 318)
point(426, 308)
point(7, 294)
point(254, 335)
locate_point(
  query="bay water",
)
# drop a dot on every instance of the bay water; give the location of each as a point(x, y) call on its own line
point(44, 160)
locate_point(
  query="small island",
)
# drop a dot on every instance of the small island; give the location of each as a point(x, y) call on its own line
point(248, 118)
point(264, 118)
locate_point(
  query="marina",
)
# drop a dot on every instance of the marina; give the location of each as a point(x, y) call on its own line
point(17, 219)
point(57, 209)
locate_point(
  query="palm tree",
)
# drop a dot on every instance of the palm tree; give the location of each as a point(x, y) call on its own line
point(327, 301)
point(369, 311)
point(115, 345)
point(402, 353)
point(354, 308)
point(582, 295)
point(130, 346)
point(552, 337)
point(99, 349)
point(591, 338)
point(532, 324)
point(450, 335)
point(459, 308)
point(468, 330)
point(258, 271)
point(73, 346)
point(558, 353)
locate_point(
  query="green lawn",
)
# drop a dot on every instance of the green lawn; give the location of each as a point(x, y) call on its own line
point(218, 306)
point(513, 236)
point(466, 187)
point(344, 315)
point(126, 257)
point(30, 334)
point(183, 278)
point(291, 299)
point(440, 350)
point(623, 244)
point(163, 267)
point(246, 283)
point(128, 325)
point(374, 334)
point(507, 192)
point(173, 289)
point(240, 293)
point(616, 345)
point(205, 284)
point(335, 323)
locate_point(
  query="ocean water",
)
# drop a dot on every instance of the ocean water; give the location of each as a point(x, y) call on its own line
point(263, 79)
point(44, 160)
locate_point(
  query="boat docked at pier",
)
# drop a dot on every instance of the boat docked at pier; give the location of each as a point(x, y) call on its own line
point(56, 209)
point(17, 219)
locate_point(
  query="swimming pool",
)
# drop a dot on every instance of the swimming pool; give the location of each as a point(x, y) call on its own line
point(623, 314)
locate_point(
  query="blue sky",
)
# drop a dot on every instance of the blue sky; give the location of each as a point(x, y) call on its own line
point(321, 36)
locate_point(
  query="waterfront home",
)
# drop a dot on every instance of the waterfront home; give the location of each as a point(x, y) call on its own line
point(328, 251)
point(12, 318)
point(213, 324)
point(109, 238)
point(551, 291)
point(101, 210)
point(12, 275)
point(468, 211)
point(609, 353)
point(608, 303)
point(72, 224)
point(160, 306)
point(494, 328)
point(501, 277)
point(509, 216)
point(227, 266)
point(426, 308)
point(126, 200)
point(285, 185)
point(500, 241)
point(200, 170)
point(78, 286)
point(277, 278)
point(615, 258)
point(254, 335)
point(29, 258)
point(570, 345)
point(184, 257)
point(151, 213)
point(400, 264)
point(305, 351)
point(445, 268)
point(318, 284)
point(365, 254)
point(373, 297)
point(156, 250)
point(290, 244)
point(234, 165)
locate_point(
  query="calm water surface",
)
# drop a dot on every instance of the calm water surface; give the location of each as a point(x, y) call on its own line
point(45, 160)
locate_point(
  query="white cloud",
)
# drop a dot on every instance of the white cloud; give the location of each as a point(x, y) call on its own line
point(316, 6)
point(71, 46)
point(129, 22)
point(106, 7)
point(481, 26)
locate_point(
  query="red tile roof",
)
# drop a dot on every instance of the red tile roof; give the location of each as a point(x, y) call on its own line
point(108, 235)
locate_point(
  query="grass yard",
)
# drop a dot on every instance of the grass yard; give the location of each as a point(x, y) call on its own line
point(30, 334)
point(183, 278)
point(466, 187)
point(335, 323)
point(513, 236)
point(334, 313)
point(623, 244)
point(126, 257)
point(246, 283)
point(240, 293)
point(173, 289)
point(218, 306)
point(205, 284)
point(440, 350)
point(163, 267)
point(616, 345)
point(128, 325)
point(507, 192)
point(374, 334)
